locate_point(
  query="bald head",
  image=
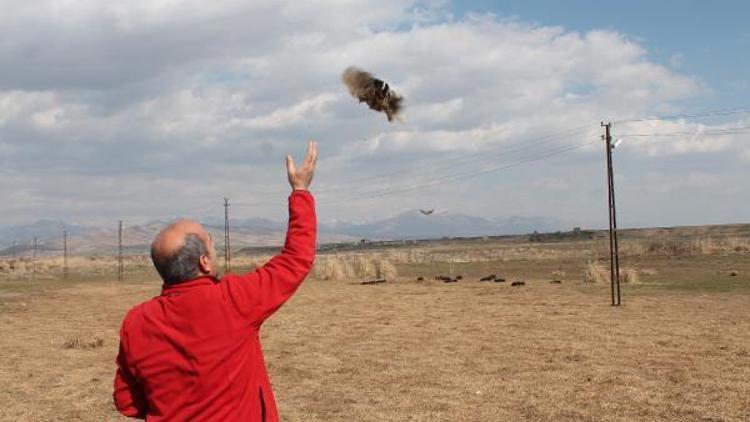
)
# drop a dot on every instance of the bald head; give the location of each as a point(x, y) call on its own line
point(182, 251)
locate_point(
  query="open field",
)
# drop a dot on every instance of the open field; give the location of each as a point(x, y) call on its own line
point(678, 348)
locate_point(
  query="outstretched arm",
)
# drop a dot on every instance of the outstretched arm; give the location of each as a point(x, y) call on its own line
point(258, 294)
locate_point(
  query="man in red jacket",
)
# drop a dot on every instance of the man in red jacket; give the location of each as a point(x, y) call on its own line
point(193, 353)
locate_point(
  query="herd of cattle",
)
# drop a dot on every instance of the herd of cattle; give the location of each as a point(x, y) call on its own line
point(490, 278)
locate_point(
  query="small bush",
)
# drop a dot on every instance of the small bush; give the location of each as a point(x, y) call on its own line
point(595, 273)
point(347, 267)
point(78, 343)
point(629, 275)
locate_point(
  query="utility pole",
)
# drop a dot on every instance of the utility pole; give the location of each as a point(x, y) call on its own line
point(33, 258)
point(119, 251)
point(227, 251)
point(65, 254)
point(614, 257)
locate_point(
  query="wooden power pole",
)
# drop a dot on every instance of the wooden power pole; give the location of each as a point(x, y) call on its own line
point(65, 254)
point(614, 257)
point(227, 250)
point(119, 252)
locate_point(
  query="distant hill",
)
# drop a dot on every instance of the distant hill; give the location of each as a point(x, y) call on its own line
point(415, 225)
point(137, 238)
point(23, 235)
point(261, 232)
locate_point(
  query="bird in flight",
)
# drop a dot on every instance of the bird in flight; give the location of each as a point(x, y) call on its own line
point(426, 212)
point(373, 91)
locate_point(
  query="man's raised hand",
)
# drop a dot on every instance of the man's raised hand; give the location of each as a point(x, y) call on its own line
point(301, 177)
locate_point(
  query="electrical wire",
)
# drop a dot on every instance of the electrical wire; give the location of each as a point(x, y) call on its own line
point(487, 156)
point(458, 176)
point(371, 187)
point(729, 131)
point(473, 159)
point(707, 113)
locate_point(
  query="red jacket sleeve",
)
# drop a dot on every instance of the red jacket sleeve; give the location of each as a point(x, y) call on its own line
point(129, 397)
point(258, 294)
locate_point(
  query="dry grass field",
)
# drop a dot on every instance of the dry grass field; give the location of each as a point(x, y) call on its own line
point(407, 350)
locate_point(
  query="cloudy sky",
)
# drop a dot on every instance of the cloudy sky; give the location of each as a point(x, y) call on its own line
point(151, 109)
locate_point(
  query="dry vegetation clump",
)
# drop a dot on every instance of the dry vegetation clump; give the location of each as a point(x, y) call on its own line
point(78, 343)
point(22, 265)
point(628, 248)
point(505, 253)
point(629, 275)
point(595, 272)
point(408, 256)
point(356, 266)
point(52, 266)
point(675, 247)
point(698, 246)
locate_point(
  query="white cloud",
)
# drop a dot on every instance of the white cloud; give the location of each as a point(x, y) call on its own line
point(208, 96)
point(669, 137)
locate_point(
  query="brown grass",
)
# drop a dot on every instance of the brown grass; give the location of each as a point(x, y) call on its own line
point(420, 352)
point(678, 349)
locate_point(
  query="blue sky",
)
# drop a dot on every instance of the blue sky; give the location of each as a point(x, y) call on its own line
point(710, 39)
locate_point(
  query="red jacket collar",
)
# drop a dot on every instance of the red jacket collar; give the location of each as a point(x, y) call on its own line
point(198, 281)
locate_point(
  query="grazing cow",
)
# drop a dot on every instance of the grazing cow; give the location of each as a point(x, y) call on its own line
point(499, 280)
point(556, 281)
point(420, 278)
point(458, 277)
point(490, 277)
point(518, 283)
point(443, 278)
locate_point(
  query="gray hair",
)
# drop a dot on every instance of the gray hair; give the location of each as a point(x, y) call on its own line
point(183, 265)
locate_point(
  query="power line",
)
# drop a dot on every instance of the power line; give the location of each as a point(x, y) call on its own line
point(743, 130)
point(427, 168)
point(488, 169)
point(707, 113)
point(480, 157)
point(485, 157)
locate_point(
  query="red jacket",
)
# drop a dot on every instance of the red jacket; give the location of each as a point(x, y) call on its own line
point(193, 353)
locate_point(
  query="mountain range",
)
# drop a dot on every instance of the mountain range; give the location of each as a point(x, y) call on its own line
point(265, 232)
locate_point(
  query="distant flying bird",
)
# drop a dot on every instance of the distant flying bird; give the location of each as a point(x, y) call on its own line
point(426, 212)
point(373, 91)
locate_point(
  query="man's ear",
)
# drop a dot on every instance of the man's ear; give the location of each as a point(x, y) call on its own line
point(204, 264)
